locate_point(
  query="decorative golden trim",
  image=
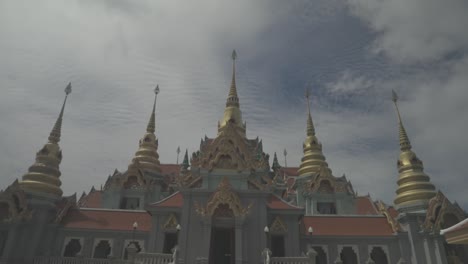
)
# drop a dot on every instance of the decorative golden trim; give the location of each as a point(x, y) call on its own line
point(383, 209)
point(278, 226)
point(171, 222)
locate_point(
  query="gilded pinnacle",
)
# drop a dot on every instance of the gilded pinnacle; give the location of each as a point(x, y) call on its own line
point(414, 186)
point(232, 97)
point(310, 124)
point(152, 122)
point(54, 136)
point(405, 143)
point(43, 177)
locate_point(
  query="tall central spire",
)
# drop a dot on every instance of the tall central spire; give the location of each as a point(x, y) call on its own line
point(43, 176)
point(232, 114)
point(414, 186)
point(313, 158)
point(147, 157)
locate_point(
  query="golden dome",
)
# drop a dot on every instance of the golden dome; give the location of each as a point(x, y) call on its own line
point(43, 176)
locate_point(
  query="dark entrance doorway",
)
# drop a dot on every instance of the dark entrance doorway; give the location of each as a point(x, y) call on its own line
point(222, 246)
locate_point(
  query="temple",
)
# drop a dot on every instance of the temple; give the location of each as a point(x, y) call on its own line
point(226, 204)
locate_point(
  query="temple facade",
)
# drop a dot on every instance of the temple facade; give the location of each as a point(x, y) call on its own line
point(226, 204)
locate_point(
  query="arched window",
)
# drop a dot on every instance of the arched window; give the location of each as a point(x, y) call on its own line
point(72, 248)
point(137, 245)
point(378, 255)
point(102, 249)
point(348, 256)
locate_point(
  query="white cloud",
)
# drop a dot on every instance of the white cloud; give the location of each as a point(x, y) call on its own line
point(415, 30)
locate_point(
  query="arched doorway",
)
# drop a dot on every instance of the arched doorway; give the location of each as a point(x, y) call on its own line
point(348, 256)
point(379, 256)
point(222, 243)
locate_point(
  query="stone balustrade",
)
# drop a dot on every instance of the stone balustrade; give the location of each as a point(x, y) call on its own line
point(66, 260)
point(153, 258)
point(291, 260)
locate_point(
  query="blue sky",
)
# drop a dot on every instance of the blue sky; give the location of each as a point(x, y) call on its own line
point(349, 53)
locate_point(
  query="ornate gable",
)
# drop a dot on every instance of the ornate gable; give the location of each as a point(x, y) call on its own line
point(223, 196)
point(439, 207)
point(229, 150)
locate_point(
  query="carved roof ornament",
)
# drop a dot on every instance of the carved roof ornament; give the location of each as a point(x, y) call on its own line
point(278, 226)
point(223, 195)
point(14, 199)
point(439, 206)
point(171, 222)
point(383, 209)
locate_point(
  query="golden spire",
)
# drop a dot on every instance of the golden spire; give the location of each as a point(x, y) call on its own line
point(404, 140)
point(232, 113)
point(43, 176)
point(147, 157)
point(313, 157)
point(414, 186)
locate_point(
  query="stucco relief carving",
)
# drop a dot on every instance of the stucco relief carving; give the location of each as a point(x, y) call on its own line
point(223, 195)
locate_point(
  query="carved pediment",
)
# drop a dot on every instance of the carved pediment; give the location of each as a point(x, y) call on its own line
point(229, 150)
point(224, 195)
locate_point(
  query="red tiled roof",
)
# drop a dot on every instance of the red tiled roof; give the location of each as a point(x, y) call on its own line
point(290, 171)
point(92, 200)
point(170, 169)
point(105, 219)
point(174, 200)
point(274, 202)
point(348, 226)
point(364, 206)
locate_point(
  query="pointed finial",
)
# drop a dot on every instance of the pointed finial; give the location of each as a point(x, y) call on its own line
point(285, 153)
point(185, 162)
point(152, 121)
point(232, 97)
point(275, 166)
point(54, 136)
point(405, 143)
point(310, 124)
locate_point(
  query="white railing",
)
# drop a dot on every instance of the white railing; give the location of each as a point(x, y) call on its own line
point(290, 260)
point(66, 260)
point(153, 258)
